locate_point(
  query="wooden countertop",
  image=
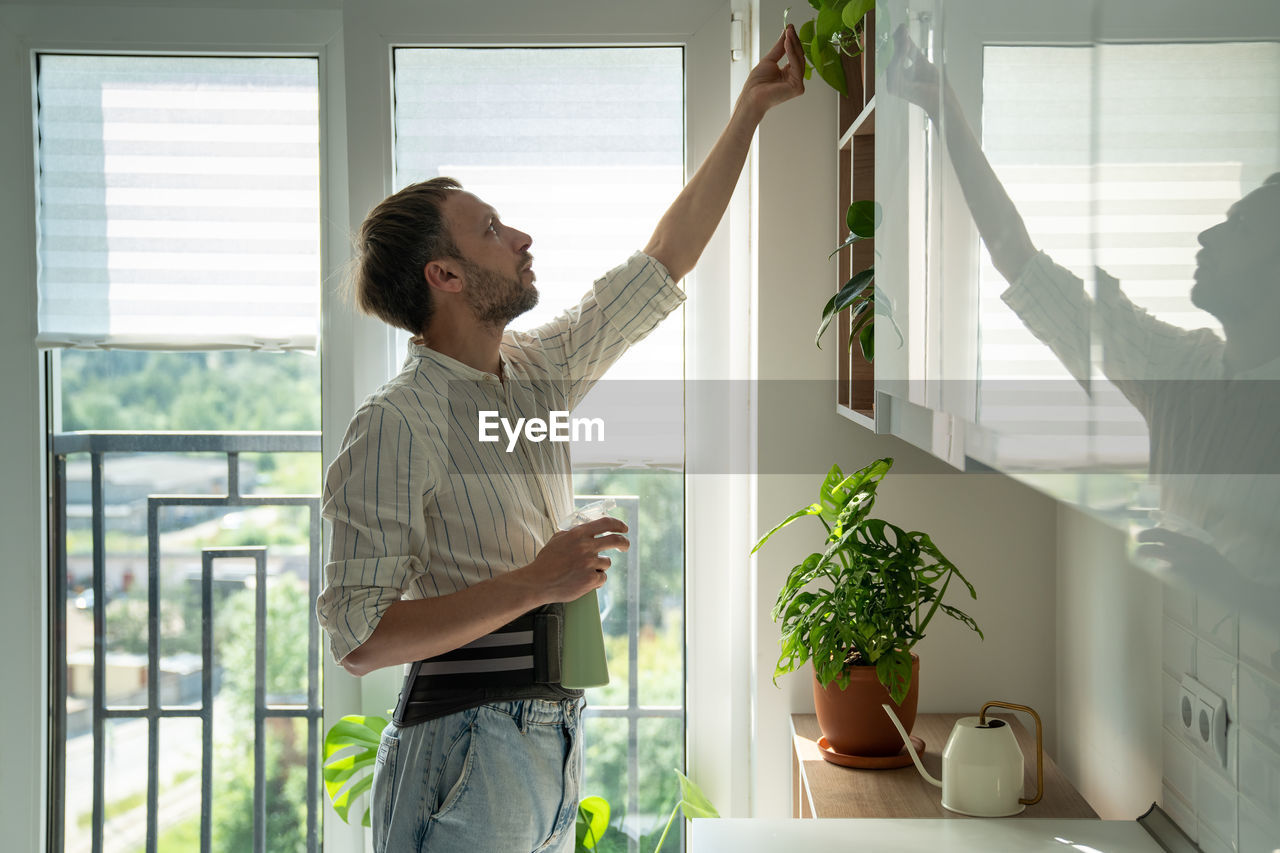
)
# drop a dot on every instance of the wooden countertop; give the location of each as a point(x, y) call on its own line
point(822, 789)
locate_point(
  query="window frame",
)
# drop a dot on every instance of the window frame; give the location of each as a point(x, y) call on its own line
point(354, 51)
point(33, 30)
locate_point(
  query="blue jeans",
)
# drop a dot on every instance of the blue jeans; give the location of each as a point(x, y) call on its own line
point(500, 778)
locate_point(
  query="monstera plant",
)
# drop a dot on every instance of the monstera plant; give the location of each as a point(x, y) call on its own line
point(867, 597)
point(350, 750)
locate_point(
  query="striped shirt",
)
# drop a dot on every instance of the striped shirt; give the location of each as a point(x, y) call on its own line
point(1214, 442)
point(420, 507)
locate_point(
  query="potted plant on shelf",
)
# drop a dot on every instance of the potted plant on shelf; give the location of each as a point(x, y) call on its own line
point(830, 40)
point(857, 608)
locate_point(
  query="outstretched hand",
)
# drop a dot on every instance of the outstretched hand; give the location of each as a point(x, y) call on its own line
point(770, 83)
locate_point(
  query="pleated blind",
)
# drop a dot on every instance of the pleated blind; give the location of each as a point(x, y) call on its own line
point(583, 149)
point(179, 202)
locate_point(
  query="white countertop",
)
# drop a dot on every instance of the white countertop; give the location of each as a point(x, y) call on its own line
point(988, 835)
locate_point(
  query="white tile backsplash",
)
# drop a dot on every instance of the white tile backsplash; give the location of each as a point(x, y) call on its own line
point(1236, 810)
point(1217, 670)
point(1182, 812)
point(1169, 692)
point(1259, 773)
point(1260, 704)
point(1215, 802)
point(1260, 644)
point(1210, 842)
point(1179, 649)
point(1259, 831)
point(1217, 624)
point(1179, 766)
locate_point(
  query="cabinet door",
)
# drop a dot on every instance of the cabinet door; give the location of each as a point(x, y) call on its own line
point(1123, 147)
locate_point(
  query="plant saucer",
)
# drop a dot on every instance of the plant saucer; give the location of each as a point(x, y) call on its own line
point(869, 762)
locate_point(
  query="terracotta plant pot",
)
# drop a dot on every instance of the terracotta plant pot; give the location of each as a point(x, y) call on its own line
point(852, 719)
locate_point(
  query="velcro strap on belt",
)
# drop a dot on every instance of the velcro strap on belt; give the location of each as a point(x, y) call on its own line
point(523, 652)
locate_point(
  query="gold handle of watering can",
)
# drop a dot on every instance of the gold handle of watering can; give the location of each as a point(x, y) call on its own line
point(982, 719)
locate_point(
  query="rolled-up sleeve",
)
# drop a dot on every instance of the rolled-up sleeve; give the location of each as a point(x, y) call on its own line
point(621, 309)
point(1052, 303)
point(374, 495)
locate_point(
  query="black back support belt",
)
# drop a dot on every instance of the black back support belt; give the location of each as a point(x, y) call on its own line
point(524, 652)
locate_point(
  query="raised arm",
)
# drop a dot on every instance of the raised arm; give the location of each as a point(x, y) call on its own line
point(687, 226)
point(913, 77)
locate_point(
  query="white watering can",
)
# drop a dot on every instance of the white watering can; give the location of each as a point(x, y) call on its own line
point(982, 765)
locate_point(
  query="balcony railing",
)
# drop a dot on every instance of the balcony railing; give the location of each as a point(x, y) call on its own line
point(156, 703)
point(153, 709)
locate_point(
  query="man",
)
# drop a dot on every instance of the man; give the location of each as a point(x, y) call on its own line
point(446, 553)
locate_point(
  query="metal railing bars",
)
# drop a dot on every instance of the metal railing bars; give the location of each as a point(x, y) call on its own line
point(232, 444)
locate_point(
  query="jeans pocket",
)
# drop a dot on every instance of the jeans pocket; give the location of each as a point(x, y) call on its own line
point(455, 768)
point(382, 795)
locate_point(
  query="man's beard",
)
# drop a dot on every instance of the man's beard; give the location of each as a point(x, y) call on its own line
point(496, 299)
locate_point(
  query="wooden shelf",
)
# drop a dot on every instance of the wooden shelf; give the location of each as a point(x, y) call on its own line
point(865, 418)
point(856, 167)
point(822, 789)
point(863, 125)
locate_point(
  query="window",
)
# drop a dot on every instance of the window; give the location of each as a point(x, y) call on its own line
point(179, 224)
point(583, 148)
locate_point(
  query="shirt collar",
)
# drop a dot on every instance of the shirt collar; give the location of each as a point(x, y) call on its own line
point(457, 368)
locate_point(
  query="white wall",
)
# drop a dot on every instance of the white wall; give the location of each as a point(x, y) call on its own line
point(999, 532)
point(1108, 661)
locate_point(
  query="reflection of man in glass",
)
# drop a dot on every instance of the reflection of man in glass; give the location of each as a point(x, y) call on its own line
point(1210, 402)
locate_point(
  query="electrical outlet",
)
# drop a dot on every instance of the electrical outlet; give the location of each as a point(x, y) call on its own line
point(1203, 715)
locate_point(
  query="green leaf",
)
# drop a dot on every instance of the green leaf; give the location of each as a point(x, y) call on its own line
point(693, 801)
point(848, 241)
point(354, 730)
point(851, 291)
point(867, 341)
point(805, 34)
point(593, 821)
point(826, 24)
point(829, 67)
point(812, 509)
point(863, 217)
point(344, 801)
point(894, 671)
point(350, 751)
point(817, 38)
point(855, 11)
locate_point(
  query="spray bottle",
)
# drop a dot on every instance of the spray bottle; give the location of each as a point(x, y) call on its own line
point(582, 662)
